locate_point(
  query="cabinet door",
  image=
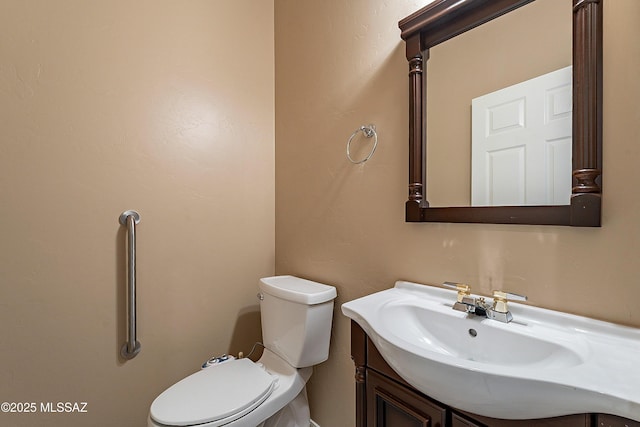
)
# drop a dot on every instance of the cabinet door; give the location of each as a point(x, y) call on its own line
point(465, 419)
point(392, 405)
point(460, 421)
point(613, 421)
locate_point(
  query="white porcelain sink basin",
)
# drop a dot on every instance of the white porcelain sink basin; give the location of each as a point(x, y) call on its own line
point(454, 335)
point(542, 364)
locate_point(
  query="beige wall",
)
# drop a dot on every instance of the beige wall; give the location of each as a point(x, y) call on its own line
point(341, 64)
point(160, 106)
point(150, 106)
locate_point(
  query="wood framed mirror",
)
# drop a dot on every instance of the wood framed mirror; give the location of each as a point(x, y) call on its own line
point(443, 20)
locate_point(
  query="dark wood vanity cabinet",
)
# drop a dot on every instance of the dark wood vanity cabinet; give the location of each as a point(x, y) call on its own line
point(390, 404)
point(383, 399)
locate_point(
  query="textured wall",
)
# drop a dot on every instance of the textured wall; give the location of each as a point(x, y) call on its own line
point(341, 64)
point(146, 105)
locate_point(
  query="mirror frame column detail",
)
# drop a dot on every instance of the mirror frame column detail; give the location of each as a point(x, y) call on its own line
point(417, 128)
point(586, 194)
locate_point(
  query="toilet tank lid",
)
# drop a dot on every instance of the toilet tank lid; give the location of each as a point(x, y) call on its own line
point(298, 290)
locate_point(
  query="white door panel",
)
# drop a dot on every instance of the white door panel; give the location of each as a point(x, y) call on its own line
point(534, 119)
point(506, 179)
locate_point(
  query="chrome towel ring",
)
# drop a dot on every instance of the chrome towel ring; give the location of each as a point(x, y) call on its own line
point(369, 132)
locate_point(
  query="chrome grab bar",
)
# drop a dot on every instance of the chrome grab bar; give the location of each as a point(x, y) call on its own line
point(131, 348)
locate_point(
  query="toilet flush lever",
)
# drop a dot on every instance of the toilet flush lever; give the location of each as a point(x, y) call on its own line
point(260, 296)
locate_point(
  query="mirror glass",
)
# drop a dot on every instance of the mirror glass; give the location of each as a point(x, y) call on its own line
point(481, 61)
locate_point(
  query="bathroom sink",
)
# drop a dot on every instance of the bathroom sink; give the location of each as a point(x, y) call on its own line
point(542, 364)
point(451, 334)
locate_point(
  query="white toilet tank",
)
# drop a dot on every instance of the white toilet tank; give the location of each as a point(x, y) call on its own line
point(296, 319)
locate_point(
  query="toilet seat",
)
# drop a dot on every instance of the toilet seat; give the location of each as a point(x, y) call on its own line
point(216, 395)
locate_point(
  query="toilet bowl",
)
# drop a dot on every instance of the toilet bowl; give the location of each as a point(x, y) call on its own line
point(296, 321)
point(235, 393)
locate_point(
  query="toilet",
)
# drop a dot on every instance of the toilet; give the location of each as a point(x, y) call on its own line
point(296, 327)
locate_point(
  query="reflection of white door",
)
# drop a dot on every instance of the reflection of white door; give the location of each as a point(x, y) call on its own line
point(521, 143)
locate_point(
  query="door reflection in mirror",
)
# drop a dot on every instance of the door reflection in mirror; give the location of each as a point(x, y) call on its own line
point(483, 60)
point(521, 143)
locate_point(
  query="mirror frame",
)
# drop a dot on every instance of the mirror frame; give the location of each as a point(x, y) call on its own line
point(443, 19)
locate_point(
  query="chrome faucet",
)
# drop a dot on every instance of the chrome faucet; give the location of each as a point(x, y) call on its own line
point(468, 303)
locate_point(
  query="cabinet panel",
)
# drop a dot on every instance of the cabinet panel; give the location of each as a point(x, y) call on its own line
point(581, 420)
point(392, 412)
point(392, 405)
point(460, 421)
point(613, 421)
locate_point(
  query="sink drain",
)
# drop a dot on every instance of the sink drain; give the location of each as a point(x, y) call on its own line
point(473, 333)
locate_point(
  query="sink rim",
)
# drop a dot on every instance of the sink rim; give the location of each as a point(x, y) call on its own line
point(605, 382)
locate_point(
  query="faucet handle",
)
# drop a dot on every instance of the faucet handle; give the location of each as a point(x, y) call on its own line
point(463, 290)
point(500, 299)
